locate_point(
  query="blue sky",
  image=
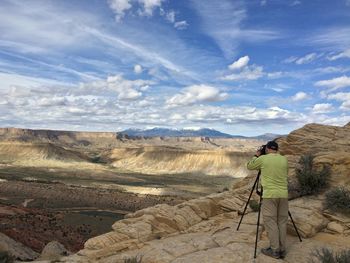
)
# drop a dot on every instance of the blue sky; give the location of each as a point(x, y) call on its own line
point(242, 67)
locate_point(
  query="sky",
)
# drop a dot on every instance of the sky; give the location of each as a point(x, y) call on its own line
point(241, 67)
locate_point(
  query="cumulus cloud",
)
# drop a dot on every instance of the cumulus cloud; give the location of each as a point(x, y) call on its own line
point(345, 106)
point(248, 73)
point(181, 25)
point(343, 97)
point(119, 7)
point(138, 69)
point(240, 63)
point(123, 88)
point(322, 108)
point(196, 93)
point(170, 16)
point(335, 83)
point(345, 54)
point(243, 71)
point(299, 96)
point(149, 6)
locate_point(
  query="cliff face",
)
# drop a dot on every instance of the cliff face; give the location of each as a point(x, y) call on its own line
point(48, 148)
point(170, 160)
point(204, 229)
point(330, 145)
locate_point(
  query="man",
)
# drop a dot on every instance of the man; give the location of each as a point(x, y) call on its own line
point(274, 172)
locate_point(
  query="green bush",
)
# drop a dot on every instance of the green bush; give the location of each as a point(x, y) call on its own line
point(5, 257)
point(326, 255)
point(338, 200)
point(254, 205)
point(311, 181)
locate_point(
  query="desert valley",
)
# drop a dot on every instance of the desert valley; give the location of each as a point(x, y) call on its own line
point(71, 186)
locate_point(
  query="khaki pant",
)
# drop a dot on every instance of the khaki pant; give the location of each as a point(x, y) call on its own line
point(275, 214)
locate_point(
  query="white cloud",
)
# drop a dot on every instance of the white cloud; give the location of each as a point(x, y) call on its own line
point(240, 63)
point(248, 73)
point(296, 2)
point(275, 75)
point(290, 59)
point(196, 93)
point(345, 54)
point(181, 25)
point(149, 6)
point(306, 59)
point(322, 108)
point(344, 97)
point(119, 7)
point(52, 101)
point(170, 16)
point(340, 96)
point(334, 38)
point(334, 84)
point(299, 96)
point(345, 106)
point(124, 89)
point(243, 71)
point(263, 2)
point(138, 69)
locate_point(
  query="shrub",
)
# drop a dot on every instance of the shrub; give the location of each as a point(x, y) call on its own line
point(5, 257)
point(326, 255)
point(338, 200)
point(311, 181)
point(254, 205)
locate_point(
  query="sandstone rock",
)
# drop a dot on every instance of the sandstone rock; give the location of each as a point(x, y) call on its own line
point(204, 207)
point(53, 251)
point(187, 213)
point(222, 255)
point(335, 227)
point(15, 249)
point(105, 240)
point(307, 217)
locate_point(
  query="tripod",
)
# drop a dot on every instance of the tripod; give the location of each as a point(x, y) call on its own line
point(256, 183)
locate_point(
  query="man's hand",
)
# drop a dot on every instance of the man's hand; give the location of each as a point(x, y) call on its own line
point(258, 153)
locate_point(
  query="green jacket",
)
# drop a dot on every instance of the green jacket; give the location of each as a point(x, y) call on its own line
point(274, 173)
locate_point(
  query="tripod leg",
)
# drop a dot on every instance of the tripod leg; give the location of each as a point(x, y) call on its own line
point(257, 227)
point(295, 227)
point(246, 204)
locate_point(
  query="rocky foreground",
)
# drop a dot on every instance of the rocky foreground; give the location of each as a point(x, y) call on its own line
point(204, 229)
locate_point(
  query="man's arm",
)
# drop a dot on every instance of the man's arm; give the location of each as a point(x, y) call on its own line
point(254, 163)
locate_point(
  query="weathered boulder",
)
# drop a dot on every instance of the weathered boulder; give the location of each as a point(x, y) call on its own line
point(15, 249)
point(307, 215)
point(53, 251)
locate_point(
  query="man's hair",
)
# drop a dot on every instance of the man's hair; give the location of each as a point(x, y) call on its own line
point(272, 145)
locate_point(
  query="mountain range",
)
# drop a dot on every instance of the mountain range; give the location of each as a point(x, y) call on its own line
point(203, 132)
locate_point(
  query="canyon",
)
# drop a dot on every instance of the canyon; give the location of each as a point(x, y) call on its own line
point(72, 186)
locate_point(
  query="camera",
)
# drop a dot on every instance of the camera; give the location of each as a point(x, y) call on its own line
point(262, 149)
